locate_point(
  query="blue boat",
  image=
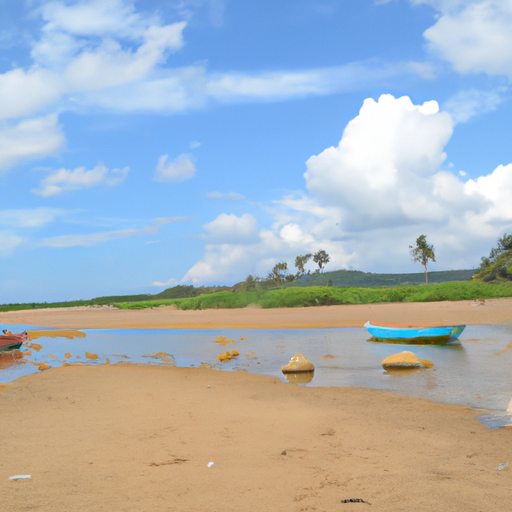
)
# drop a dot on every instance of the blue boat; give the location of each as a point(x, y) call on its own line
point(414, 334)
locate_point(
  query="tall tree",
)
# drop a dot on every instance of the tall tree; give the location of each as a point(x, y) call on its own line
point(250, 282)
point(279, 273)
point(300, 263)
point(422, 252)
point(321, 258)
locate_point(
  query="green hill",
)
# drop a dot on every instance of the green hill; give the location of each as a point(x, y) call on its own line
point(356, 278)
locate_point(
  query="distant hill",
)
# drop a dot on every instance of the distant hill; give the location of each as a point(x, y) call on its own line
point(359, 279)
point(176, 292)
point(500, 269)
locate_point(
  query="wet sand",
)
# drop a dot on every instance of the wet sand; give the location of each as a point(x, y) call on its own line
point(136, 438)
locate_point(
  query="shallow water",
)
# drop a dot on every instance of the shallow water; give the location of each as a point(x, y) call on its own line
point(474, 372)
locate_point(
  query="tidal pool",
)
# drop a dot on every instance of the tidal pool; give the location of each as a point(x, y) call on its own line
point(474, 372)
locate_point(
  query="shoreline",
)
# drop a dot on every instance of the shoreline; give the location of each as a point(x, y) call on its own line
point(142, 437)
point(492, 311)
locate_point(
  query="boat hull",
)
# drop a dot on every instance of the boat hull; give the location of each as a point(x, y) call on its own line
point(12, 341)
point(415, 335)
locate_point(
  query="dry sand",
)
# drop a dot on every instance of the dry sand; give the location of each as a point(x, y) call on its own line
point(139, 438)
point(493, 311)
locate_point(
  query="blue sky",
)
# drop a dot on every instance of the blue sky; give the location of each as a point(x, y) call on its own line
point(145, 144)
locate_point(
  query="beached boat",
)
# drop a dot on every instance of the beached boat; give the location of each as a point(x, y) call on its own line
point(414, 334)
point(12, 341)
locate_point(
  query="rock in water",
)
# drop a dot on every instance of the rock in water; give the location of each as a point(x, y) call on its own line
point(298, 363)
point(403, 359)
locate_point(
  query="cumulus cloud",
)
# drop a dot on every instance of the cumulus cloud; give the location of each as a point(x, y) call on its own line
point(29, 140)
point(230, 228)
point(474, 36)
point(496, 189)
point(180, 169)
point(66, 180)
point(388, 150)
point(368, 199)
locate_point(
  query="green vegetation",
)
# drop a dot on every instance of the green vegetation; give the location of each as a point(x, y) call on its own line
point(498, 266)
point(282, 289)
point(328, 295)
point(300, 263)
point(357, 278)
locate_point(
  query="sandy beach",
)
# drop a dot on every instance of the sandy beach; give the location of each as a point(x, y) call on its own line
point(137, 438)
point(490, 312)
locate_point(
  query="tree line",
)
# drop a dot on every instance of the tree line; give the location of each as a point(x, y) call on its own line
point(280, 273)
point(422, 252)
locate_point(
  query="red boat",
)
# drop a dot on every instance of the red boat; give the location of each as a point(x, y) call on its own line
point(12, 341)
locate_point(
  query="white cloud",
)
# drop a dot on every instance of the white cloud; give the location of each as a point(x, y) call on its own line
point(172, 220)
point(169, 283)
point(29, 140)
point(232, 262)
point(92, 239)
point(180, 169)
point(474, 36)
point(230, 228)
point(66, 180)
point(468, 103)
point(194, 144)
point(233, 196)
point(386, 151)
point(110, 65)
point(369, 199)
point(106, 54)
point(30, 217)
point(83, 47)
point(24, 93)
point(9, 242)
point(290, 84)
point(496, 188)
point(92, 18)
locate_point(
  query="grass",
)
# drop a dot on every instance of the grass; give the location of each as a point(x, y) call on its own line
point(183, 297)
point(328, 295)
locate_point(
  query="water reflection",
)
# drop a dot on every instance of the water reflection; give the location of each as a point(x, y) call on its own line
point(474, 372)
